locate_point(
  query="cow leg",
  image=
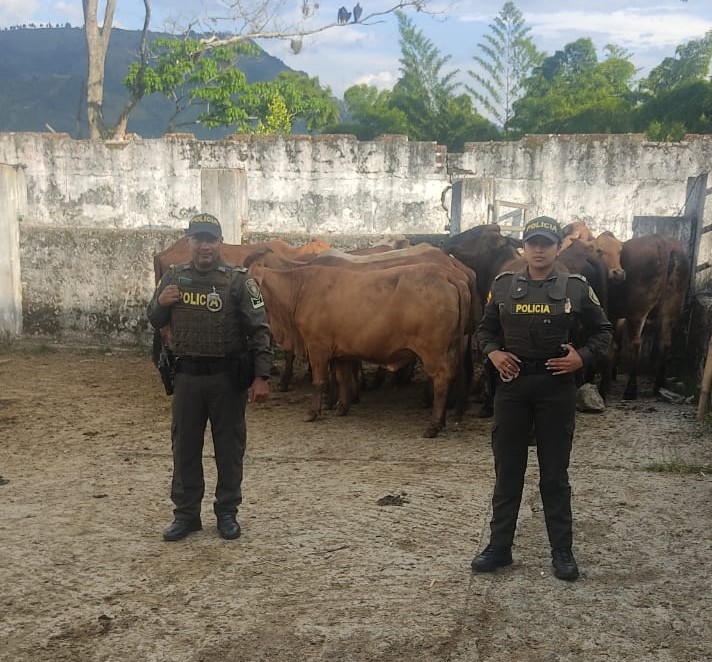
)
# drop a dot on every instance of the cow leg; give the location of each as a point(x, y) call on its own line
point(631, 387)
point(605, 367)
point(357, 381)
point(288, 371)
point(666, 323)
point(344, 374)
point(378, 377)
point(320, 376)
point(437, 421)
point(460, 385)
point(634, 330)
point(331, 392)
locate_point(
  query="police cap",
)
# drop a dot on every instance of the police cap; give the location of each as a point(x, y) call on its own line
point(543, 226)
point(204, 224)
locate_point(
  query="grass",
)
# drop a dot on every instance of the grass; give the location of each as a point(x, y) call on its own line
point(678, 466)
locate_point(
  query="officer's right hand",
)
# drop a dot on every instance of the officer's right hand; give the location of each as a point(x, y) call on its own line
point(169, 295)
point(506, 364)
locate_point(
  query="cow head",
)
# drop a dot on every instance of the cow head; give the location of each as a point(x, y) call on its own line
point(609, 248)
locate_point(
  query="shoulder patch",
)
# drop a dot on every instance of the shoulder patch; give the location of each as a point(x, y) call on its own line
point(579, 276)
point(592, 296)
point(253, 289)
point(504, 273)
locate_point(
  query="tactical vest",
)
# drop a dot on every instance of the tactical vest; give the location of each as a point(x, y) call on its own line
point(202, 321)
point(536, 320)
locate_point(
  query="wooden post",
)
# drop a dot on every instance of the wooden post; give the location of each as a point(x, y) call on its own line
point(703, 404)
point(695, 210)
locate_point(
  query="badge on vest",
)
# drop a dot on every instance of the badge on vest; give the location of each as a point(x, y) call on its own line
point(213, 302)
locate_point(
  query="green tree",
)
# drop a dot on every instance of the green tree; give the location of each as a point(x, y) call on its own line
point(423, 89)
point(207, 87)
point(278, 119)
point(427, 95)
point(677, 94)
point(508, 55)
point(691, 63)
point(571, 92)
point(261, 19)
point(370, 114)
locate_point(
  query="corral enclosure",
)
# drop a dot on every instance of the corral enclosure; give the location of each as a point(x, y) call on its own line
point(81, 220)
point(357, 532)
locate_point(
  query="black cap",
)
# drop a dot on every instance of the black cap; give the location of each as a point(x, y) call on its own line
point(204, 224)
point(543, 226)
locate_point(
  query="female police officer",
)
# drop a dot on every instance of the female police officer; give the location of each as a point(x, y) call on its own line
point(525, 333)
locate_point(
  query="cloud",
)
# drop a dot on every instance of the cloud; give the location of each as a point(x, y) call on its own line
point(383, 80)
point(69, 12)
point(627, 27)
point(17, 12)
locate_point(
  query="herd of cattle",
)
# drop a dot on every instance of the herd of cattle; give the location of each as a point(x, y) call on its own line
point(391, 303)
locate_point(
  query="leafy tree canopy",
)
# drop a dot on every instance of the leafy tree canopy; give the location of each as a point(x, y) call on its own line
point(207, 87)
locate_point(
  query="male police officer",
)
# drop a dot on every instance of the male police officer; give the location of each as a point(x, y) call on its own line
point(525, 333)
point(221, 340)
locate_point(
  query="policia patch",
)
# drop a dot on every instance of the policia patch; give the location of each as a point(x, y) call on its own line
point(519, 308)
point(253, 289)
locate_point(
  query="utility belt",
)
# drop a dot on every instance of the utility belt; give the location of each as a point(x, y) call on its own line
point(202, 365)
point(533, 367)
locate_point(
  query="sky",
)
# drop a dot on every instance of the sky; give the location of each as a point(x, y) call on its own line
point(347, 55)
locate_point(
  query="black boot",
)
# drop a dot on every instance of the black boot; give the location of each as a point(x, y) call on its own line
point(180, 528)
point(564, 564)
point(491, 558)
point(228, 527)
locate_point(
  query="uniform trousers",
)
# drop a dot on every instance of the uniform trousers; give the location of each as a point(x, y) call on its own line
point(548, 404)
point(198, 399)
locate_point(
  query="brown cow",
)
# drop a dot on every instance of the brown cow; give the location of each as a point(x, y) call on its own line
point(609, 248)
point(485, 250)
point(396, 244)
point(657, 278)
point(456, 273)
point(179, 253)
point(383, 316)
point(576, 230)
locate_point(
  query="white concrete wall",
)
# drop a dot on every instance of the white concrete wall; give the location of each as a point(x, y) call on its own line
point(604, 180)
point(96, 212)
point(321, 185)
point(336, 184)
point(13, 203)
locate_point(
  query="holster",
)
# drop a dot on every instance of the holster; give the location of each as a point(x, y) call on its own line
point(167, 369)
point(242, 369)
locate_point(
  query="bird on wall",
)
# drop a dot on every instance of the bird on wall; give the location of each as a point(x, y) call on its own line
point(357, 12)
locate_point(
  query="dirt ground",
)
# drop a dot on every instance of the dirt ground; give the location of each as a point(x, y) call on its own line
point(322, 571)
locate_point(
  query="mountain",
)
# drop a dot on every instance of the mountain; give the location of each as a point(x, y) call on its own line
point(42, 75)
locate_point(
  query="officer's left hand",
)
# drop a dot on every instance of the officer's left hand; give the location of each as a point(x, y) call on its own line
point(258, 391)
point(562, 365)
